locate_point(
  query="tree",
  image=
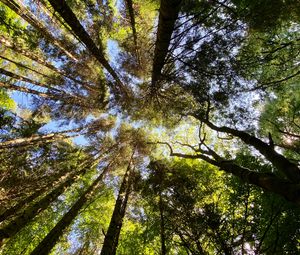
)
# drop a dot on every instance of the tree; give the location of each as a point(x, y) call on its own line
point(193, 106)
point(70, 18)
point(168, 14)
point(31, 211)
point(93, 127)
point(112, 235)
point(52, 237)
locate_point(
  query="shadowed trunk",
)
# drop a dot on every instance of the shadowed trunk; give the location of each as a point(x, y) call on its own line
point(289, 169)
point(267, 181)
point(162, 225)
point(33, 210)
point(23, 12)
point(132, 20)
point(21, 204)
point(70, 18)
point(55, 19)
point(168, 13)
point(112, 236)
point(160, 175)
point(46, 245)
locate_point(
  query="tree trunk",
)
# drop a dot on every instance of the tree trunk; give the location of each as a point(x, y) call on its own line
point(186, 244)
point(55, 19)
point(26, 67)
point(162, 226)
point(47, 138)
point(70, 18)
point(21, 204)
point(267, 181)
point(289, 169)
point(83, 84)
point(168, 13)
point(18, 7)
point(51, 182)
point(66, 98)
point(131, 14)
point(46, 245)
point(25, 79)
point(112, 236)
point(73, 56)
point(29, 213)
point(17, 48)
point(76, 99)
point(31, 56)
point(28, 91)
point(132, 20)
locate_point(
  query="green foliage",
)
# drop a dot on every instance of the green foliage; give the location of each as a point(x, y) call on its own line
point(281, 118)
point(264, 15)
point(5, 101)
point(10, 23)
point(89, 225)
point(227, 98)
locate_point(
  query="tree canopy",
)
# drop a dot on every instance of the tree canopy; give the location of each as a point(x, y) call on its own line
point(149, 127)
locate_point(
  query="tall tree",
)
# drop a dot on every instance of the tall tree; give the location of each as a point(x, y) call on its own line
point(93, 127)
point(31, 211)
point(52, 237)
point(64, 10)
point(113, 232)
point(20, 9)
point(214, 83)
point(168, 13)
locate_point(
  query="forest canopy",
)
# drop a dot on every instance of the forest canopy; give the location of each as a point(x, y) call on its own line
point(149, 127)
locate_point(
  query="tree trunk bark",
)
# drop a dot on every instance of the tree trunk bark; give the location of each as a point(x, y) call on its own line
point(26, 67)
point(66, 98)
point(112, 236)
point(28, 91)
point(17, 48)
point(168, 13)
point(75, 58)
point(46, 245)
point(18, 7)
point(55, 19)
point(131, 14)
point(50, 88)
point(267, 181)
